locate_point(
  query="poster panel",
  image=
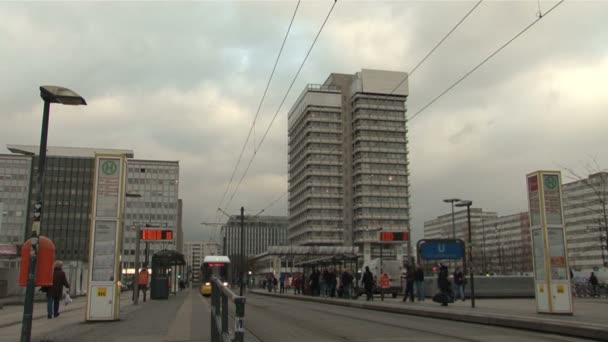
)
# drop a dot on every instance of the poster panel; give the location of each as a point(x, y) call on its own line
point(104, 250)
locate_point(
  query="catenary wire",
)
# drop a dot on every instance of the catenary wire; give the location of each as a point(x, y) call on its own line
point(430, 103)
point(282, 102)
point(260, 104)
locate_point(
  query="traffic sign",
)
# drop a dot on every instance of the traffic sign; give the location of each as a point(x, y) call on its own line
point(441, 249)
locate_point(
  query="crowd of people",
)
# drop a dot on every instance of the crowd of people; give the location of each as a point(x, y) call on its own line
point(332, 282)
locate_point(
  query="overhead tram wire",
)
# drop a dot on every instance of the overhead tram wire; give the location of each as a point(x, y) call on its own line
point(425, 57)
point(283, 101)
point(437, 45)
point(485, 60)
point(260, 105)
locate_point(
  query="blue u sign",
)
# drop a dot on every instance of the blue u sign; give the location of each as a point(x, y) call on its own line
point(441, 249)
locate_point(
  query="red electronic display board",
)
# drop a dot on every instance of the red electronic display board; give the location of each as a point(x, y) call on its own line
point(393, 236)
point(156, 234)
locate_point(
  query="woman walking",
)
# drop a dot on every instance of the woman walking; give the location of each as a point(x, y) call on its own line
point(55, 292)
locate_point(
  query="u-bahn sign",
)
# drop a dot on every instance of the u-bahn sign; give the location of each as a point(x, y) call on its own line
point(441, 249)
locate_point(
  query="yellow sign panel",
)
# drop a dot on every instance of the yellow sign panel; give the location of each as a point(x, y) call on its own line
point(101, 292)
point(542, 288)
point(560, 288)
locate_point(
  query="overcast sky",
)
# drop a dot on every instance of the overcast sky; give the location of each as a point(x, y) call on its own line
point(182, 81)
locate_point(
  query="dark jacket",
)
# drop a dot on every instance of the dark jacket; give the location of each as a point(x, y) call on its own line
point(419, 274)
point(442, 280)
point(459, 278)
point(59, 281)
point(368, 279)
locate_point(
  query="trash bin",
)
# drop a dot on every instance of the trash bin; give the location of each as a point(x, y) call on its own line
point(159, 287)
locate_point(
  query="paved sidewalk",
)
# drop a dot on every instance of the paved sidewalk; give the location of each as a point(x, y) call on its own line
point(44, 329)
point(590, 319)
point(182, 317)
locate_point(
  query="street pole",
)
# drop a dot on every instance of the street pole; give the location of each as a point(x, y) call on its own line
point(471, 257)
point(242, 251)
point(453, 223)
point(28, 307)
point(136, 275)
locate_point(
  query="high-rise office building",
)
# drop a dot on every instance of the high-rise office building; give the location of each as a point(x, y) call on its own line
point(348, 160)
point(180, 229)
point(156, 184)
point(15, 173)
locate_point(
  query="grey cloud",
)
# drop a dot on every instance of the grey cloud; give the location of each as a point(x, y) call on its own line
point(168, 80)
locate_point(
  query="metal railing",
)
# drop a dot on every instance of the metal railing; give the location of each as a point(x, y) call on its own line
point(220, 295)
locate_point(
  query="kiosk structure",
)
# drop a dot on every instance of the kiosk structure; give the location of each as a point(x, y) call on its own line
point(105, 236)
point(551, 275)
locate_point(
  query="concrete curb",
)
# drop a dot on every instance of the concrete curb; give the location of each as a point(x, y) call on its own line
point(596, 332)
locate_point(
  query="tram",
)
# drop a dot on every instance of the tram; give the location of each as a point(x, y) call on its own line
point(214, 266)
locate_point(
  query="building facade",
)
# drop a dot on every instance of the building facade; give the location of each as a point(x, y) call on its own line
point(68, 193)
point(441, 228)
point(259, 233)
point(586, 219)
point(15, 173)
point(68, 186)
point(507, 245)
point(348, 164)
point(195, 252)
point(156, 183)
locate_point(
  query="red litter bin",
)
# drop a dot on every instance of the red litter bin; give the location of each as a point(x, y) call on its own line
point(45, 262)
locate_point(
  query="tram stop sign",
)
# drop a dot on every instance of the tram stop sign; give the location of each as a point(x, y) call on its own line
point(441, 249)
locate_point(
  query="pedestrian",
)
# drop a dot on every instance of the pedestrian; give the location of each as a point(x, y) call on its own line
point(54, 293)
point(443, 283)
point(419, 282)
point(282, 282)
point(333, 282)
point(459, 282)
point(347, 281)
point(296, 284)
point(594, 285)
point(409, 283)
point(368, 283)
point(142, 280)
point(275, 283)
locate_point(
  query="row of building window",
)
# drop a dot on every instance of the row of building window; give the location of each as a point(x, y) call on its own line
point(380, 155)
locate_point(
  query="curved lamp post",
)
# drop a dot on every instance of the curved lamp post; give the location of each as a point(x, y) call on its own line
point(49, 94)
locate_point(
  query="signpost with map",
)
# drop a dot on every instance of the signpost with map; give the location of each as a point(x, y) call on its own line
point(551, 276)
point(105, 236)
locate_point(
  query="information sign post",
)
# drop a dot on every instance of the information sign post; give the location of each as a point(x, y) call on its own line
point(551, 275)
point(105, 235)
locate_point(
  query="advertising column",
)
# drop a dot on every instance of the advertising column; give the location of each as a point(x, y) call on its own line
point(551, 276)
point(104, 249)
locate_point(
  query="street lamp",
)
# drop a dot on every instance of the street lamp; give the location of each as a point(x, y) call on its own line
point(452, 200)
point(468, 204)
point(137, 238)
point(49, 94)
